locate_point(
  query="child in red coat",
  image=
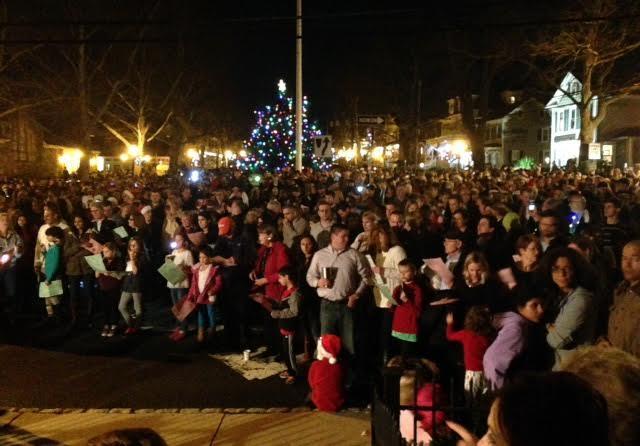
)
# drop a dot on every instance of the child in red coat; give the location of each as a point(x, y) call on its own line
point(326, 376)
point(406, 314)
point(206, 284)
point(475, 339)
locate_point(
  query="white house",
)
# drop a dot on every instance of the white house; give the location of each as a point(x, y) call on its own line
point(565, 121)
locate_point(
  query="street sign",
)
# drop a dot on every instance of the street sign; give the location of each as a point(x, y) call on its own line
point(371, 119)
point(322, 146)
point(594, 151)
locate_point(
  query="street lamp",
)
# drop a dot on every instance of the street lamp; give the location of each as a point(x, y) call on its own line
point(134, 151)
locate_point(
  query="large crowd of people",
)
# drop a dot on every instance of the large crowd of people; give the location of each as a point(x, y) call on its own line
point(487, 274)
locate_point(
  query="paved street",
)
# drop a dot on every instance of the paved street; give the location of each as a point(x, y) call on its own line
point(60, 389)
point(152, 374)
point(52, 369)
point(190, 429)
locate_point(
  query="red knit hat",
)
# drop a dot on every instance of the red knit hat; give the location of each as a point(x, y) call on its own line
point(330, 346)
point(225, 226)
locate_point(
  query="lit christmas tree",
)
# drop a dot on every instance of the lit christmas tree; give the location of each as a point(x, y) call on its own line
point(272, 145)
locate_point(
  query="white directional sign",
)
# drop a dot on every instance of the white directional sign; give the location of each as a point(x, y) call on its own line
point(322, 146)
point(370, 119)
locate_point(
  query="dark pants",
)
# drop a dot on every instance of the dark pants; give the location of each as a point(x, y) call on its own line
point(8, 281)
point(271, 333)
point(234, 300)
point(110, 300)
point(379, 327)
point(405, 349)
point(26, 298)
point(288, 353)
point(81, 295)
point(336, 318)
point(310, 318)
point(75, 294)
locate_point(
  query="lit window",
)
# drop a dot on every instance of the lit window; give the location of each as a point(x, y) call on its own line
point(573, 119)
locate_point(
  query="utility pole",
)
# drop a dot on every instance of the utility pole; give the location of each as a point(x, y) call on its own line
point(418, 156)
point(299, 98)
point(356, 158)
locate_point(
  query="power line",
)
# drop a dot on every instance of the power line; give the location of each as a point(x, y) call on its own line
point(60, 23)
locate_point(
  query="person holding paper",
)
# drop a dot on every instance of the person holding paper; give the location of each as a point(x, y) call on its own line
point(454, 258)
point(132, 285)
point(10, 251)
point(53, 271)
point(182, 258)
point(387, 255)
point(110, 285)
point(406, 315)
point(51, 218)
point(80, 277)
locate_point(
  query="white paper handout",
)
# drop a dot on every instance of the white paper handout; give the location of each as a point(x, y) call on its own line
point(440, 268)
point(379, 282)
point(506, 276)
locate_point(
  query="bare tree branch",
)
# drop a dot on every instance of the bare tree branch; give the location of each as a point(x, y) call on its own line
point(161, 128)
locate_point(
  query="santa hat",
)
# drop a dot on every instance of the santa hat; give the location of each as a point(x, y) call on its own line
point(329, 347)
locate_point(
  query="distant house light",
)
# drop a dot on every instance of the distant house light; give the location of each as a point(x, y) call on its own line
point(512, 99)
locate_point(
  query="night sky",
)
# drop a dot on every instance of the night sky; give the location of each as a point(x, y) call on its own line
point(235, 52)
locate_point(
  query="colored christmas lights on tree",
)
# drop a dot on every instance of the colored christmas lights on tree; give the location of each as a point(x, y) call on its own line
point(272, 144)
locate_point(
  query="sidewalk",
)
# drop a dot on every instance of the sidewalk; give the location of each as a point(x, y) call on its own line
point(193, 427)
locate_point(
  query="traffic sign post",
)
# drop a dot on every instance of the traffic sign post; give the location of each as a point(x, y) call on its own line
point(322, 146)
point(371, 120)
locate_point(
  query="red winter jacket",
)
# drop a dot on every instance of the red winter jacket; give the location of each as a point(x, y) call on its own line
point(277, 258)
point(407, 314)
point(211, 288)
point(473, 345)
point(326, 383)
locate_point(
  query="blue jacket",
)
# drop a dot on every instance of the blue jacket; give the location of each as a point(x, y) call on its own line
point(575, 324)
